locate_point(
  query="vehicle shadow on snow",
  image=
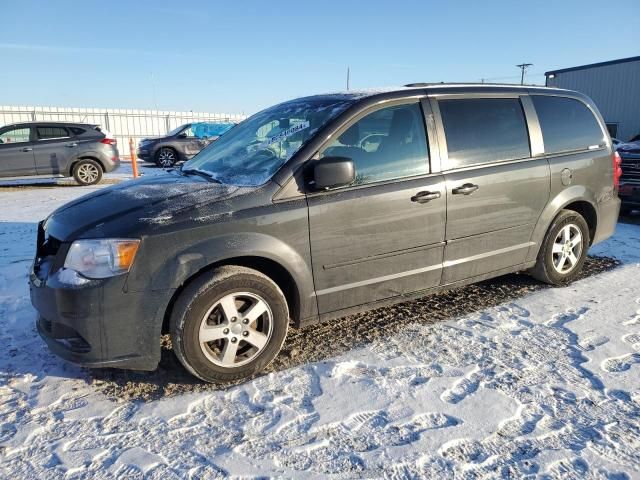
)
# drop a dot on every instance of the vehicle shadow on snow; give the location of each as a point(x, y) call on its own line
point(327, 340)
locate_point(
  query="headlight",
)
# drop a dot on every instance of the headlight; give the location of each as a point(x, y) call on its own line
point(101, 258)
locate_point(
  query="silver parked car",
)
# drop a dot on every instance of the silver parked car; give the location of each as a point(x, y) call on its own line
point(55, 150)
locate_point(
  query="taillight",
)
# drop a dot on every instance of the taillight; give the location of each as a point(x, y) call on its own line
point(617, 169)
point(109, 141)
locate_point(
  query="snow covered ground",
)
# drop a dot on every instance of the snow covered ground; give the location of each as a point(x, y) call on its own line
point(546, 386)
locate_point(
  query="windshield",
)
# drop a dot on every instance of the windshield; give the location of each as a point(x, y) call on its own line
point(176, 130)
point(251, 152)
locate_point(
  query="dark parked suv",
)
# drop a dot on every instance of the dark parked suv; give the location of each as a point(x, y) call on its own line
point(320, 207)
point(54, 150)
point(630, 180)
point(181, 143)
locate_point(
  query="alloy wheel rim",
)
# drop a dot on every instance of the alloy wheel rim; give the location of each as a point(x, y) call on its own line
point(167, 158)
point(235, 329)
point(567, 248)
point(88, 173)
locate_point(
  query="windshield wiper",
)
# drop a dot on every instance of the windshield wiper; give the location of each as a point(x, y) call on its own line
point(201, 173)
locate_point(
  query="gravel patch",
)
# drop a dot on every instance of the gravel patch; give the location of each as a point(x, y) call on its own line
point(326, 340)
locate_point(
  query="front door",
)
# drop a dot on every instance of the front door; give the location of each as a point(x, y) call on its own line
point(190, 144)
point(16, 152)
point(496, 190)
point(383, 236)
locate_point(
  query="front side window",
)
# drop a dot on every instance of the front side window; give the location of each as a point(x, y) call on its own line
point(252, 152)
point(386, 144)
point(46, 133)
point(188, 132)
point(15, 135)
point(175, 131)
point(484, 130)
point(567, 124)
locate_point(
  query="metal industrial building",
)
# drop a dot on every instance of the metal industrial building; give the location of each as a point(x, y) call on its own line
point(615, 88)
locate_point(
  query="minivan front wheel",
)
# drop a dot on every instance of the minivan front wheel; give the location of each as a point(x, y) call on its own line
point(564, 249)
point(229, 324)
point(87, 172)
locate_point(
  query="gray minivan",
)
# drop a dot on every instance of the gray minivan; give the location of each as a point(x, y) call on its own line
point(320, 207)
point(56, 150)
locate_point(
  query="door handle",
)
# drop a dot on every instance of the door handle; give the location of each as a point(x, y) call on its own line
point(71, 145)
point(424, 197)
point(466, 189)
point(27, 149)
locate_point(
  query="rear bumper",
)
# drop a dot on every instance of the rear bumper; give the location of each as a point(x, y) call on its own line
point(109, 158)
point(111, 164)
point(98, 324)
point(608, 212)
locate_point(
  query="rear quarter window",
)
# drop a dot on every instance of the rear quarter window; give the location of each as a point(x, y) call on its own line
point(567, 124)
point(77, 130)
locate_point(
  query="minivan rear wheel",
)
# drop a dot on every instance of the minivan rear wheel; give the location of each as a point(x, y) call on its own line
point(564, 249)
point(87, 172)
point(229, 324)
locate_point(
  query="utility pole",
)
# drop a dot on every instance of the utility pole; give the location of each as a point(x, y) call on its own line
point(348, 72)
point(523, 67)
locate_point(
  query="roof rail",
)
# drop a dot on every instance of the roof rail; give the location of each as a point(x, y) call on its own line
point(420, 84)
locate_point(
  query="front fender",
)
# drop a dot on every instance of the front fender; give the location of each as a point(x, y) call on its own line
point(574, 193)
point(185, 263)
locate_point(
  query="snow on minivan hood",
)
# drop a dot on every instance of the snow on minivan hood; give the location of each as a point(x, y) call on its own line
point(154, 200)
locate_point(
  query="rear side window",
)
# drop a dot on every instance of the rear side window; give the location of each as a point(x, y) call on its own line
point(567, 124)
point(483, 130)
point(77, 130)
point(45, 133)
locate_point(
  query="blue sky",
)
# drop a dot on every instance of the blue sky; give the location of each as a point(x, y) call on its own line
point(239, 56)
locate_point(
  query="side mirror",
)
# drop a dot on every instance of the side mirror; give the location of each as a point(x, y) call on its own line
point(332, 172)
point(182, 135)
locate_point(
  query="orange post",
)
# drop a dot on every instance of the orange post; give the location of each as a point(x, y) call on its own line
point(134, 161)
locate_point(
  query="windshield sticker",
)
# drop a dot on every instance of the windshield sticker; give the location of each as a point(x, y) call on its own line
point(286, 133)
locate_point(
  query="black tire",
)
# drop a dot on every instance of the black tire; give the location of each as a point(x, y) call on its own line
point(87, 172)
point(545, 270)
point(166, 157)
point(196, 302)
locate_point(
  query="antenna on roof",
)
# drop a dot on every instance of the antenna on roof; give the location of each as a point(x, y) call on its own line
point(348, 72)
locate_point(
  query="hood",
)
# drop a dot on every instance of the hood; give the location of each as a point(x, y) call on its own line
point(152, 200)
point(633, 147)
point(152, 139)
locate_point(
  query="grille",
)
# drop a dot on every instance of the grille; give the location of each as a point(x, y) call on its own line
point(631, 169)
point(46, 249)
point(65, 335)
point(46, 244)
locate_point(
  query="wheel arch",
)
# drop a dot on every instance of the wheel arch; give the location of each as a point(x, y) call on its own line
point(577, 198)
point(169, 146)
point(588, 212)
point(267, 266)
point(76, 160)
